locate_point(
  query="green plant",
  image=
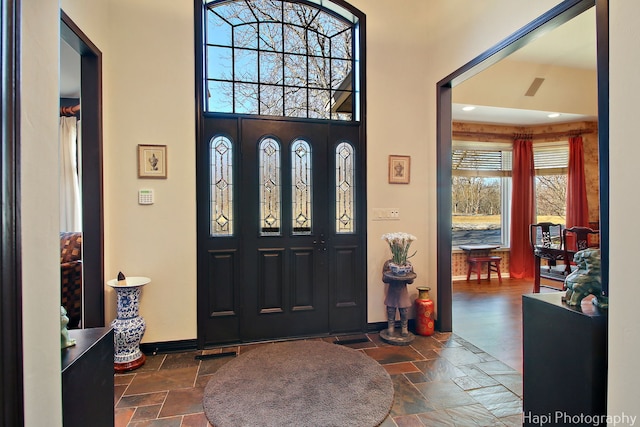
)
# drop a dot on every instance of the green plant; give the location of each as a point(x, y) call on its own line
point(399, 244)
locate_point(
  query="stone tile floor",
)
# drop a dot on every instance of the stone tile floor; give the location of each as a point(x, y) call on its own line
point(441, 380)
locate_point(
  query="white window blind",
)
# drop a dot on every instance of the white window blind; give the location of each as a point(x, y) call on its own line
point(551, 158)
point(481, 159)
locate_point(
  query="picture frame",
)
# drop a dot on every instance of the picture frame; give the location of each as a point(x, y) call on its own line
point(152, 161)
point(399, 169)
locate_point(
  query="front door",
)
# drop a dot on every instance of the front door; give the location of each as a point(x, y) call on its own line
point(281, 250)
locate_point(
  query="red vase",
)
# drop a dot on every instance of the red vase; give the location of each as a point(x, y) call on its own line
point(424, 313)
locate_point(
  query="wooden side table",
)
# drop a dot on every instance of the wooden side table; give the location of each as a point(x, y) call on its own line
point(564, 351)
point(478, 249)
point(129, 326)
point(478, 256)
point(87, 379)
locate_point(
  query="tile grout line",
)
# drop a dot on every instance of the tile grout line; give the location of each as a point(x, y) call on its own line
point(195, 380)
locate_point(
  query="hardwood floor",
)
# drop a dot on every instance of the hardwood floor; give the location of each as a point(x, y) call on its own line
point(489, 315)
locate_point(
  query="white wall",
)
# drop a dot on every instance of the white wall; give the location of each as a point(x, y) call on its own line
point(39, 213)
point(624, 322)
point(396, 104)
point(150, 68)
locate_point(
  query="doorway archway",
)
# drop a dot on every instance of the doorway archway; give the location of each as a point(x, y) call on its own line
point(91, 165)
point(550, 20)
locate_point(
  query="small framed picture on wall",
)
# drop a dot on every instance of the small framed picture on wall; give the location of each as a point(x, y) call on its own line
point(399, 169)
point(152, 161)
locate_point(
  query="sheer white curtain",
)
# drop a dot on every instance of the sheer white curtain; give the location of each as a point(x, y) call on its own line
point(70, 202)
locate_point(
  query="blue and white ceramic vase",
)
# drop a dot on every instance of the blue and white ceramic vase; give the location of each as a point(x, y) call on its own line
point(400, 269)
point(129, 326)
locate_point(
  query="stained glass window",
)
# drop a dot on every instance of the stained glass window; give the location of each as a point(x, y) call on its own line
point(301, 188)
point(276, 58)
point(345, 188)
point(221, 170)
point(270, 199)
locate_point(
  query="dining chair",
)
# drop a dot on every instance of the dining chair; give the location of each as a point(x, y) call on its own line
point(547, 243)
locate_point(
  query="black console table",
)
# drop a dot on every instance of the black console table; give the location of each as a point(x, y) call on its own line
point(564, 360)
point(87, 379)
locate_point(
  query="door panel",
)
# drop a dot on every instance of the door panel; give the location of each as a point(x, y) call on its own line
point(269, 284)
point(221, 269)
point(284, 271)
point(302, 261)
point(281, 276)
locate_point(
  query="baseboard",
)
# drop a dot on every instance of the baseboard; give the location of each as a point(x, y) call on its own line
point(190, 345)
point(169, 346)
point(484, 277)
point(378, 326)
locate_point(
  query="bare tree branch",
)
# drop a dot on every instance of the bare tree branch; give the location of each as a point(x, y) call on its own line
point(294, 51)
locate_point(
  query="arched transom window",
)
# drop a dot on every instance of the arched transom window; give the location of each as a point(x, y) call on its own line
point(280, 58)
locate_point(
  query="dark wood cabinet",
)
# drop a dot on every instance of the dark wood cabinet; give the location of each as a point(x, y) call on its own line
point(87, 379)
point(564, 360)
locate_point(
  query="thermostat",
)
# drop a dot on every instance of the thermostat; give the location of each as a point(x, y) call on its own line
point(145, 197)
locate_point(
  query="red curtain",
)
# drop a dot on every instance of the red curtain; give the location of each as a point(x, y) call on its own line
point(577, 208)
point(521, 263)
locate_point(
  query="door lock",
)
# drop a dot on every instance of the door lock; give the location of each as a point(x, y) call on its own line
point(321, 241)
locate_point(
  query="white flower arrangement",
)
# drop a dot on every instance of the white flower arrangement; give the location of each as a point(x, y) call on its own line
point(399, 244)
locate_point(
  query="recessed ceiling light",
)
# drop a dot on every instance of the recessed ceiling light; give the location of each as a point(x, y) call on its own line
point(553, 115)
point(468, 108)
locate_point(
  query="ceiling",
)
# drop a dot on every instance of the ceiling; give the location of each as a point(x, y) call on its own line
point(69, 71)
point(512, 116)
point(571, 45)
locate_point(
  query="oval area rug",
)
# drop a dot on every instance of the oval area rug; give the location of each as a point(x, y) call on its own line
point(299, 383)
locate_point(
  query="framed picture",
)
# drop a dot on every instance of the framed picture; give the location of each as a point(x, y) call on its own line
point(152, 161)
point(399, 169)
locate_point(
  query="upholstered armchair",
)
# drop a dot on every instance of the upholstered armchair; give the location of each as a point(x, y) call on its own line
point(71, 276)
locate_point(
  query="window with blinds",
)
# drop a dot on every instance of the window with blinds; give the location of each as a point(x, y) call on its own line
point(481, 188)
point(551, 161)
point(480, 192)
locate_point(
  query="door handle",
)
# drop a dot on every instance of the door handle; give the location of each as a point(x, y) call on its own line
point(321, 241)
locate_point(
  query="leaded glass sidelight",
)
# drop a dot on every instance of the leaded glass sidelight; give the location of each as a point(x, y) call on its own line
point(345, 188)
point(269, 154)
point(301, 188)
point(221, 172)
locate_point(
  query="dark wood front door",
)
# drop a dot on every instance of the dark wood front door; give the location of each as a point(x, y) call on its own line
point(281, 250)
